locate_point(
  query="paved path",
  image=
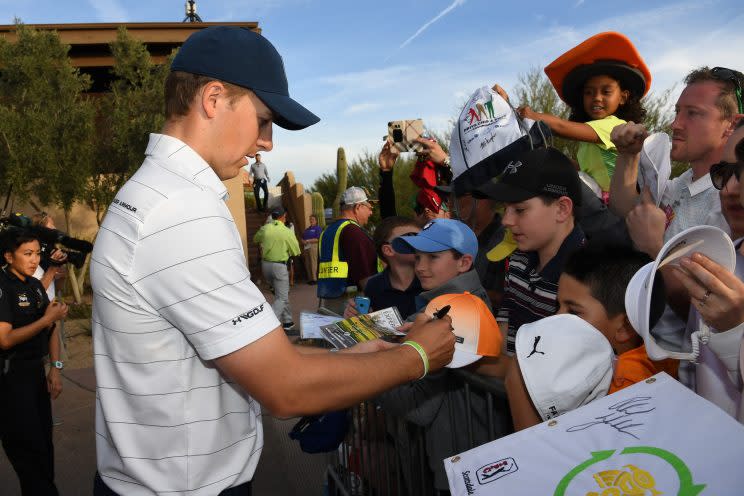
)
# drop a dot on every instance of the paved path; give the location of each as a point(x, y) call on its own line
point(283, 470)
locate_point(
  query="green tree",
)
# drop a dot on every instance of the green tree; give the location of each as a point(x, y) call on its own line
point(364, 172)
point(46, 123)
point(535, 89)
point(127, 115)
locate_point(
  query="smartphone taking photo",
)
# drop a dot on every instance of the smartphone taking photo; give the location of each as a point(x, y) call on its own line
point(403, 134)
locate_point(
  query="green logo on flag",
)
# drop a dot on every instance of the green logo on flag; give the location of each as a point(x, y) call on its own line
point(631, 479)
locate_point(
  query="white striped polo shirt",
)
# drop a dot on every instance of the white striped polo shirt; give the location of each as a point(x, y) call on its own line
point(171, 293)
point(686, 203)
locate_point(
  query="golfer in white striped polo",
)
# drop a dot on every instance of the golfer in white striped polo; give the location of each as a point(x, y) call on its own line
point(185, 345)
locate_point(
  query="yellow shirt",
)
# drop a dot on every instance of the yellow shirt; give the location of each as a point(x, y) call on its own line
point(278, 242)
point(598, 159)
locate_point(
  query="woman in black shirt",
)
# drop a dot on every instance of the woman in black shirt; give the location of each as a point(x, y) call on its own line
point(27, 336)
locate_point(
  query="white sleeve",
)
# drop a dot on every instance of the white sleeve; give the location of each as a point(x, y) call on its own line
point(189, 266)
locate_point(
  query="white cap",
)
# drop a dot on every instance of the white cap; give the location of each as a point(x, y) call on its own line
point(591, 183)
point(487, 125)
point(655, 165)
point(708, 240)
point(565, 363)
point(354, 195)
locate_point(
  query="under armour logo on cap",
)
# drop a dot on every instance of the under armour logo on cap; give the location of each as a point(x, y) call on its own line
point(512, 167)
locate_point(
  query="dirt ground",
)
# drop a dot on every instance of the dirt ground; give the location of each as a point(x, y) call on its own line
point(78, 344)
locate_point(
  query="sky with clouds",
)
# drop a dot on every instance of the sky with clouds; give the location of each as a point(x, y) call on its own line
point(361, 64)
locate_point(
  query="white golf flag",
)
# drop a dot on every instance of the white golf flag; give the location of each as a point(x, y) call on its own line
point(655, 437)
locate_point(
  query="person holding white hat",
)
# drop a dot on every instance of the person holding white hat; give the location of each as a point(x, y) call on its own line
point(707, 111)
point(444, 251)
point(717, 295)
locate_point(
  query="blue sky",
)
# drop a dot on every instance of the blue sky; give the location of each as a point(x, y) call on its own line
point(360, 64)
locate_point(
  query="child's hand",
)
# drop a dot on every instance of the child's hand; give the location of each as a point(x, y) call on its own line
point(350, 310)
point(498, 89)
point(628, 138)
point(525, 112)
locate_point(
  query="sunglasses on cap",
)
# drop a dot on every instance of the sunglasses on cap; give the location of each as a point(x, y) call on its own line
point(721, 172)
point(735, 77)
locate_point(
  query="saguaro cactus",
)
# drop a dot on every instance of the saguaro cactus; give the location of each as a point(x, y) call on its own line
point(319, 208)
point(341, 177)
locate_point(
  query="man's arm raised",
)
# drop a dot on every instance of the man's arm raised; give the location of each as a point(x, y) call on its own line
point(628, 139)
point(290, 383)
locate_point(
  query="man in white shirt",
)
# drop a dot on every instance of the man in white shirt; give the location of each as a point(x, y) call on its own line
point(706, 113)
point(186, 347)
point(717, 297)
point(260, 175)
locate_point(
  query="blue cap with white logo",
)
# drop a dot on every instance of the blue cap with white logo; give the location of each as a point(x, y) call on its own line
point(239, 56)
point(440, 235)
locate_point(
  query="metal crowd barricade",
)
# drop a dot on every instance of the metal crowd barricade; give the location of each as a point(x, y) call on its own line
point(385, 455)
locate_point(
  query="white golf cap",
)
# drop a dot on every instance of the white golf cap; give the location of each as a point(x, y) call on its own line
point(643, 292)
point(476, 331)
point(489, 134)
point(565, 363)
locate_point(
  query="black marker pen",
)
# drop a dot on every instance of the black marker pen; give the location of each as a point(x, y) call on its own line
point(441, 312)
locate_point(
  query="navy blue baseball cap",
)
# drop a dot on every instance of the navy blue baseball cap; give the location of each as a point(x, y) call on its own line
point(543, 171)
point(242, 57)
point(440, 235)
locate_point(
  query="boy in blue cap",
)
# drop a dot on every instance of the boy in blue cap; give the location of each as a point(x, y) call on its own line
point(444, 252)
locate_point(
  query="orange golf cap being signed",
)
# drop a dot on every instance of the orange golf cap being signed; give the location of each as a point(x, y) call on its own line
point(476, 332)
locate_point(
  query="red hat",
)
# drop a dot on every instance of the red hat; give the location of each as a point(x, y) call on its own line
point(428, 198)
point(608, 53)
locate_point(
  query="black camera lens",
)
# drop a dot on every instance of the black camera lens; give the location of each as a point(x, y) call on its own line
point(397, 135)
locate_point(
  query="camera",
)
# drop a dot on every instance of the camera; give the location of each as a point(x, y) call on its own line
point(404, 134)
point(76, 249)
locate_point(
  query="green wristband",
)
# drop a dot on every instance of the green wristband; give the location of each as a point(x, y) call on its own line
point(422, 354)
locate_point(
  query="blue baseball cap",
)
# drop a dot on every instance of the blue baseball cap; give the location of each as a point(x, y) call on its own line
point(240, 56)
point(440, 235)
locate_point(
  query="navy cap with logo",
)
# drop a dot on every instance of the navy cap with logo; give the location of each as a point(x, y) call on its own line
point(544, 171)
point(242, 57)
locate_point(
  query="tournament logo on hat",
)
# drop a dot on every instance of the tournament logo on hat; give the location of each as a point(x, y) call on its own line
point(477, 333)
point(487, 135)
